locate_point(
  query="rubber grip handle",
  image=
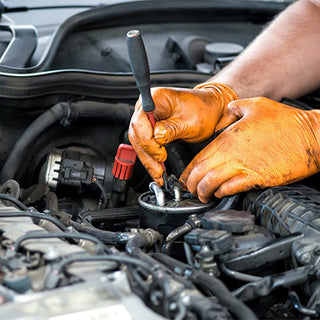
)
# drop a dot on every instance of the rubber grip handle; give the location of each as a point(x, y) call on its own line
point(140, 68)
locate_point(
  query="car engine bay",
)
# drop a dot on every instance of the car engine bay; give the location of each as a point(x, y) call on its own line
point(85, 233)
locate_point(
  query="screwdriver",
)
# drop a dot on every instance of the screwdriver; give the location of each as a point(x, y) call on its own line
point(141, 72)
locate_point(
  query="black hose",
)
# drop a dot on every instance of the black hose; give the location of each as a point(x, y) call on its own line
point(56, 272)
point(34, 215)
point(188, 253)
point(298, 305)
point(60, 111)
point(180, 270)
point(105, 236)
point(211, 283)
point(146, 238)
point(225, 297)
point(52, 202)
point(228, 203)
point(93, 109)
point(176, 266)
point(173, 235)
point(103, 192)
point(101, 248)
point(12, 188)
point(108, 237)
point(29, 136)
point(116, 258)
point(238, 275)
point(178, 158)
point(143, 240)
point(15, 201)
point(135, 244)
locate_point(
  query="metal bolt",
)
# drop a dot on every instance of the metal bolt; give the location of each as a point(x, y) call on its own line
point(305, 257)
point(185, 300)
point(51, 254)
point(106, 51)
point(173, 306)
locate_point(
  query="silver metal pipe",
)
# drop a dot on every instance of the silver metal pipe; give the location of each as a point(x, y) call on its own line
point(177, 193)
point(158, 192)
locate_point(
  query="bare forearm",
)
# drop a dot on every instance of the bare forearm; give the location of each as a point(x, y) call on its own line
point(283, 61)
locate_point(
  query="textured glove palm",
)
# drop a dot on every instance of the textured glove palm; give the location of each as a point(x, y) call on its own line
point(188, 114)
point(268, 144)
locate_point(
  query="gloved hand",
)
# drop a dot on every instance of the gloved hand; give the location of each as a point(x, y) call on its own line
point(271, 144)
point(188, 114)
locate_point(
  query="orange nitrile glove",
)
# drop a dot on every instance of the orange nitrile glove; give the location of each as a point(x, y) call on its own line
point(271, 144)
point(188, 114)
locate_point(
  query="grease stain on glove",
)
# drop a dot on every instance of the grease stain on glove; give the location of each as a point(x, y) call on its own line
point(267, 144)
point(188, 114)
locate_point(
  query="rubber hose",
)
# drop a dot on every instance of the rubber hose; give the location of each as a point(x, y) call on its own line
point(91, 109)
point(225, 297)
point(178, 158)
point(173, 235)
point(27, 139)
point(108, 237)
point(86, 109)
point(228, 203)
point(135, 244)
point(140, 241)
point(13, 200)
point(12, 188)
point(176, 266)
point(35, 215)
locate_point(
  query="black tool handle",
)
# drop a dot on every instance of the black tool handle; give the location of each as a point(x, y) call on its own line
point(140, 67)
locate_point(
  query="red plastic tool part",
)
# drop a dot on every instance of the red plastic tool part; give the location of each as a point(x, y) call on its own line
point(124, 162)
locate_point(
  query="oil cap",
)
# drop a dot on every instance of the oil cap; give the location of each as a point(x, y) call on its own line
point(216, 50)
point(230, 220)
